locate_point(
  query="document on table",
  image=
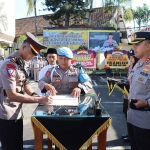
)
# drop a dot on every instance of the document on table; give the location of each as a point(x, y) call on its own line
point(64, 100)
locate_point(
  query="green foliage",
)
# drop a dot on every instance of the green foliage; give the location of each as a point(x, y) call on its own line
point(128, 16)
point(30, 4)
point(21, 38)
point(108, 24)
point(67, 12)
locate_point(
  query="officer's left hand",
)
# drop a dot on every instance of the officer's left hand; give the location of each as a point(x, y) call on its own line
point(140, 103)
point(76, 92)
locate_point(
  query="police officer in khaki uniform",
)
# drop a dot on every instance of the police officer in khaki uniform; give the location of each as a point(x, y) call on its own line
point(36, 64)
point(138, 116)
point(65, 78)
point(13, 84)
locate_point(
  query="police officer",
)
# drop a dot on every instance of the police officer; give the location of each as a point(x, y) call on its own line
point(138, 116)
point(110, 42)
point(41, 65)
point(133, 60)
point(13, 84)
point(36, 65)
point(51, 56)
point(65, 78)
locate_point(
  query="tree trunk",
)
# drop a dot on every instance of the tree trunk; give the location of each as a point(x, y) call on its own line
point(67, 16)
point(35, 21)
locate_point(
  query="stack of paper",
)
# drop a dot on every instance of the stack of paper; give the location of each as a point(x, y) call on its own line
point(65, 100)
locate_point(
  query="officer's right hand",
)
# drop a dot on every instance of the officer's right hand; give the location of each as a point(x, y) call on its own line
point(51, 89)
point(46, 100)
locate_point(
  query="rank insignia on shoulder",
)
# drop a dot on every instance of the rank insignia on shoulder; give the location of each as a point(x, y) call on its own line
point(47, 73)
point(13, 59)
point(10, 69)
point(148, 65)
point(146, 69)
point(141, 79)
point(147, 60)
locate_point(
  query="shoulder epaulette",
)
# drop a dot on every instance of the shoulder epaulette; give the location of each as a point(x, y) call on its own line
point(147, 60)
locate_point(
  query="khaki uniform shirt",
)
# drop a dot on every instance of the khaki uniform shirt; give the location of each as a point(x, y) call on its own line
point(139, 88)
point(64, 81)
point(36, 63)
point(11, 78)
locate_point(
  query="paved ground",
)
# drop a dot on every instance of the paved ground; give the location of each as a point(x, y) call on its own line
point(112, 104)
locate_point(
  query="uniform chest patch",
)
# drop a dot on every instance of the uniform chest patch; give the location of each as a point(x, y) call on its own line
point(10, 69)
point(47, 73)
point(57, 80)
point(141, 79)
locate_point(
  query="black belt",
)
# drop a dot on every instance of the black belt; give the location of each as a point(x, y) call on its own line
point(132, 106)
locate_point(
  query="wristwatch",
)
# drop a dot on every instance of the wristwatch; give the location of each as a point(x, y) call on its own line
point(80, 86)
point(34, 93)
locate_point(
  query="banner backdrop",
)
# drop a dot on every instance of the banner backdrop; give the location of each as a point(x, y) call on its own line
point(86, 58)
point(117, 59)
point(103, 40)
point(65, 38)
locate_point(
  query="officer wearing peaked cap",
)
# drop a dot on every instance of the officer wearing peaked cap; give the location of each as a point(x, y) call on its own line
point(13, 85)
point(65, 78)
point(138, 114)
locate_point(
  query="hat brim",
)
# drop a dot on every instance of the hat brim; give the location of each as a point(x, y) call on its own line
point(136, 40)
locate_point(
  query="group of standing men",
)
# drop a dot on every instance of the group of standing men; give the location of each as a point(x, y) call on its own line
point(34, 66)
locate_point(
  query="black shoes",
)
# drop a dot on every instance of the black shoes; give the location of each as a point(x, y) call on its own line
point(125, 137)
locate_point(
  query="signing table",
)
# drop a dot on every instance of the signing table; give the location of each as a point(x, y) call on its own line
point(70, 127)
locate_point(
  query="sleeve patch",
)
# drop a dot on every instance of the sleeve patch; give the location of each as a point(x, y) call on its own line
point(10, 69)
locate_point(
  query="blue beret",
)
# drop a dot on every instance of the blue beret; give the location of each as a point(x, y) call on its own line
point(65, 51)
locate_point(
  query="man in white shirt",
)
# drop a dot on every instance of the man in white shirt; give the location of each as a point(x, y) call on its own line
point(51, 57)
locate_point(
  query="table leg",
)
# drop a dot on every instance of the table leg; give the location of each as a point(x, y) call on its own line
point(102, 140)
point(50, 144)
point(90, 147)
point(38, 138)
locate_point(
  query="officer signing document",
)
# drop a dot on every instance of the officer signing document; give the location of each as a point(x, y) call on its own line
point(65, 78)
point(13, 85)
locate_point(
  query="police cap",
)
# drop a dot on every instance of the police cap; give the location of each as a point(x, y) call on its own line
point(65, 51)
point(51, 51)
point(139, 37)
point(35, 45)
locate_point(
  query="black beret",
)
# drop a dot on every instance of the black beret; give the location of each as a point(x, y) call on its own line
point(51, 51)
point(139, 37)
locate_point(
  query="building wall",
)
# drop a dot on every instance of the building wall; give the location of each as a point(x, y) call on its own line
point(7, 24)
point(8, 10)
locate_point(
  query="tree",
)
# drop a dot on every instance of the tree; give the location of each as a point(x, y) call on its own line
point(67, 12)
point(3, 18)
point(32, 5)
point(146, 11)
point(121, 6)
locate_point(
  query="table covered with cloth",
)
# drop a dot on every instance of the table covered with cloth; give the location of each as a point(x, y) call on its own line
point(71, 127)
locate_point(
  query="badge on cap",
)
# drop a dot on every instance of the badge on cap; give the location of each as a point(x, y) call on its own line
point(10, 69)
